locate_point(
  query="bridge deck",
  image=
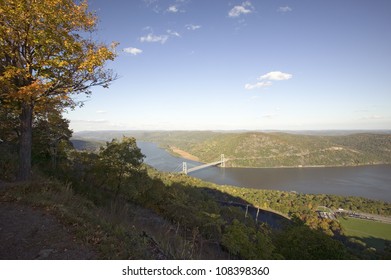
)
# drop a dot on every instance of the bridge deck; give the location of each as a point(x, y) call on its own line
point(203, 166)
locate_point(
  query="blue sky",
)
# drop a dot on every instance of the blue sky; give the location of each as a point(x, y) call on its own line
point(256, 65)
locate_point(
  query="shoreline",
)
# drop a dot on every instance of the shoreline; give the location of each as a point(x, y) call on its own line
point(309, 166)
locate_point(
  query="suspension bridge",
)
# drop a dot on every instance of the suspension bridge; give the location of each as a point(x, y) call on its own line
point(220, 162)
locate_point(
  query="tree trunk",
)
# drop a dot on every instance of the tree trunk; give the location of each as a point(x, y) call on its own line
point(25, 144)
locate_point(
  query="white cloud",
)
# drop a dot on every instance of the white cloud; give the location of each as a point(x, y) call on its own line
point(192, 27)
point(101, 112)
point(133, 51)
point(265, 80)
point(285, 9)
point(151, 38)
point(178, 7)
point(276, 76)
point(173, 9)
point(245, 8)
point(173, 33)
point(258, 85)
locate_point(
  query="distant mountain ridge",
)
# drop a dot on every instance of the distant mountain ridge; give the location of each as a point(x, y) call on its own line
point(268, 149)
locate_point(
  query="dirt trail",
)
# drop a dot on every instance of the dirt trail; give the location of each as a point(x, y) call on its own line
point(28, 233)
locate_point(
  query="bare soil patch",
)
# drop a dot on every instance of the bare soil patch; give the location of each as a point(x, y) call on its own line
point(184, 154)
point(28, 233)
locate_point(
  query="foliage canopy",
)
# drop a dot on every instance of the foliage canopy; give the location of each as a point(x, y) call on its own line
point(46, 56)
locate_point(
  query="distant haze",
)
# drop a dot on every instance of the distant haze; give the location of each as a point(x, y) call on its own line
point(109, 134)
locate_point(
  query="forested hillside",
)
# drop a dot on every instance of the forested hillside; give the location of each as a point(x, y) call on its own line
point(259, 149)
point(84, 145)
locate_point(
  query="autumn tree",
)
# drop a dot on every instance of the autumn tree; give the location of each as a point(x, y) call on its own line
point(47, 56)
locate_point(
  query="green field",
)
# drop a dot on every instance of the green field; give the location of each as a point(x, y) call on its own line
point(372, 233)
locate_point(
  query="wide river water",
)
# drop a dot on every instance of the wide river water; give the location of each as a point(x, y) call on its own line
point(372, 182)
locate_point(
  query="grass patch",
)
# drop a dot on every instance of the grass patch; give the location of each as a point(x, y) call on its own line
point(373, 233)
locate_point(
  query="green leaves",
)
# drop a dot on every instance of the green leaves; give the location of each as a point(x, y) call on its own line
point(247, 242)
point(119, 160)
point(122, 154)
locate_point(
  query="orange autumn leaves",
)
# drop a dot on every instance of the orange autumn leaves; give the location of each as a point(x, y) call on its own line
point(43, 53)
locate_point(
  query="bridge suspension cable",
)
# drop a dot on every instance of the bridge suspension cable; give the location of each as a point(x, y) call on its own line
point(187, 170)
point(178, 168)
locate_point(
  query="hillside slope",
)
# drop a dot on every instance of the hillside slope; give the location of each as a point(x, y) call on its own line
point(255, 149)
point(274, 149)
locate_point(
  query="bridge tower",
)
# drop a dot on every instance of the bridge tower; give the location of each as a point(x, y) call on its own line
point(222, 160)
point(184, 168)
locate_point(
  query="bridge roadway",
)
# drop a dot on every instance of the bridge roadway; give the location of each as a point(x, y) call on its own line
point(203, 166)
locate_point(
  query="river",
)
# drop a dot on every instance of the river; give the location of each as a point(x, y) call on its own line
point(373, 182)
